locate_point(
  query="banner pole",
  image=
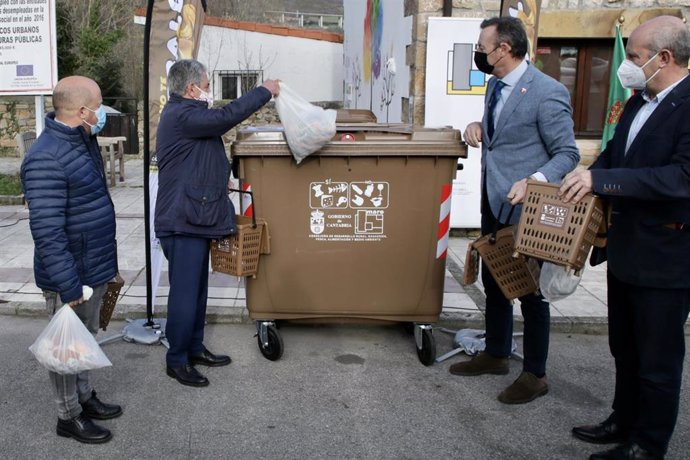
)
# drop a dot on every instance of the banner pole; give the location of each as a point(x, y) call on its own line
point(147, 157)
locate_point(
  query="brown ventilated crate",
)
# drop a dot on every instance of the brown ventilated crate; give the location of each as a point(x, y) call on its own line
point(516, 276)
point(238, 254)
point(110, 300)
point(557, 232)
point(471, 272)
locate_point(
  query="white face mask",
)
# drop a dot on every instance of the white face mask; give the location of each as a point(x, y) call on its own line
point(632, 76)
point(204, 96)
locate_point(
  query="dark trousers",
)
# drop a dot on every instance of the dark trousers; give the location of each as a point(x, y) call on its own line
point(188, 276)
point(499, 314)
point(647, 341)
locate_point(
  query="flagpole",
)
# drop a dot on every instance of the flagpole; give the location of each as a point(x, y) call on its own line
point(147, 156)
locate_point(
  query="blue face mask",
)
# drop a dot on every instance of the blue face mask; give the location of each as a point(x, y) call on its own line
point(100, 114)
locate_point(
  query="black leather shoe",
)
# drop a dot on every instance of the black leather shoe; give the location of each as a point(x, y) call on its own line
point(630, 451)
point(187, 375)
point(97, 409)
point(83, 430)
point(206, 358)
point(607, 432)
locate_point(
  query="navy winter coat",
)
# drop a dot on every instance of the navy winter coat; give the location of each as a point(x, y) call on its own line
point(193, 167)
point(71, 215)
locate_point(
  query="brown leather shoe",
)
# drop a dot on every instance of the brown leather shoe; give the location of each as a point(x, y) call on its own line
point(526, 388)
point(483, 363)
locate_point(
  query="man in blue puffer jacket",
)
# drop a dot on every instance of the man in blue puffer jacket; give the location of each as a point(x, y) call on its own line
point(72, 222)
point(193, 205)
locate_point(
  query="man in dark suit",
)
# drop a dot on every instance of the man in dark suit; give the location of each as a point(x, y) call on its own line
point(644, 172)
point(526, 132)
point(193, 205)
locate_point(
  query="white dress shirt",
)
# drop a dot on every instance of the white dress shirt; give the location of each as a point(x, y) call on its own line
point(646, 111)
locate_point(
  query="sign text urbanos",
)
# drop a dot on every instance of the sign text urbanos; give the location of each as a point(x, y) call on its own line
point(28, 53)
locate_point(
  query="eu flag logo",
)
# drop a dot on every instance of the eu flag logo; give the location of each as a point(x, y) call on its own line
point(25, 70)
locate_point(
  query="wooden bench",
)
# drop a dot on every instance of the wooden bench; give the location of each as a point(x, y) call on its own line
point(24, 142)
point(112, 148)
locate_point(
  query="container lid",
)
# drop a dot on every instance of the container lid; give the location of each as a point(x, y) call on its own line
point(355, 116)
point(358, 139)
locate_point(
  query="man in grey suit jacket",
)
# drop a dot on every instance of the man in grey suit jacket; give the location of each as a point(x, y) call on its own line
point(526, 132)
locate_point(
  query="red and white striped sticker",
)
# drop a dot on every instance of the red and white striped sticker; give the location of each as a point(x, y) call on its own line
point(444, 223)
point(247, 205)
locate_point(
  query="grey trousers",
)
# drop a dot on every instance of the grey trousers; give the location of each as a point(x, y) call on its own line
point(73, 389)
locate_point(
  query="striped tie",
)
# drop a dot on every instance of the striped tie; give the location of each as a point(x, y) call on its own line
point(495, 95)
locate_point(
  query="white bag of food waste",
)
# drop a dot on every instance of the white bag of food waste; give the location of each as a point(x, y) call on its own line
point(307, 127)
point(65, 346)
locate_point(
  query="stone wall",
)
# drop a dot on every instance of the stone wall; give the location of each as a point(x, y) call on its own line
point(17, 116)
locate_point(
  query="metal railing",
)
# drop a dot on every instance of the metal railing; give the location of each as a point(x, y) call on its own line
point(320, 20)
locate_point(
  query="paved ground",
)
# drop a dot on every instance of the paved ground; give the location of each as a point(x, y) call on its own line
point(338, 392)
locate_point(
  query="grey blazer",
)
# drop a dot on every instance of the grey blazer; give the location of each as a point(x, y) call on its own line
point(534, 133)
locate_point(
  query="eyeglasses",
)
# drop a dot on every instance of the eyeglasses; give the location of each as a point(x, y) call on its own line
point(480, 49)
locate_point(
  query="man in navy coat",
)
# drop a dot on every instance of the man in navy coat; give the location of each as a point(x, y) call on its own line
point(193, 205)
point(644, 173)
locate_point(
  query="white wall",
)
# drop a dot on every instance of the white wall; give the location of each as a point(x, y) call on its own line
point(313, 68)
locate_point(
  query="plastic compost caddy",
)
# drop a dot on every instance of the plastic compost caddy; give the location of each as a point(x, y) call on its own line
point(355, 227)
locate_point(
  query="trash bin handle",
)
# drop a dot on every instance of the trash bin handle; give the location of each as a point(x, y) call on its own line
point(497, 223)
point(251, 196)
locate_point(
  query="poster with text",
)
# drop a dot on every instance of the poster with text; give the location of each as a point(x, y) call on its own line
point(28, 50)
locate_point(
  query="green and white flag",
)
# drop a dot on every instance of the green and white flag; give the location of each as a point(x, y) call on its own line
point(617, 94)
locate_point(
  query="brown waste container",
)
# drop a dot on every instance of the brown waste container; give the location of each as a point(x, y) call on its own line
point(354, 227)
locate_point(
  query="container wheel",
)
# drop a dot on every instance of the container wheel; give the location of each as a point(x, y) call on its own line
point(427, 353)
point(274, 350)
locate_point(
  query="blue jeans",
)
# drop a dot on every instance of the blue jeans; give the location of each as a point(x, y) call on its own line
point(73, 389)
point(499, 315)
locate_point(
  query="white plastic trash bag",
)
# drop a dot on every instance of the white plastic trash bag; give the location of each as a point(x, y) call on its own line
point(307, 126)
point(556, 283)
point(65, 346)
point(472, 341)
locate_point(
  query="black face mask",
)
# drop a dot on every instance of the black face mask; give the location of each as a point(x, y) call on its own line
point(481, 60)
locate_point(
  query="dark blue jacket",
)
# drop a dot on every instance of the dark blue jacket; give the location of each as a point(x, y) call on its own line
point(648, 188)
point(193, 167)
point(71, 215)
